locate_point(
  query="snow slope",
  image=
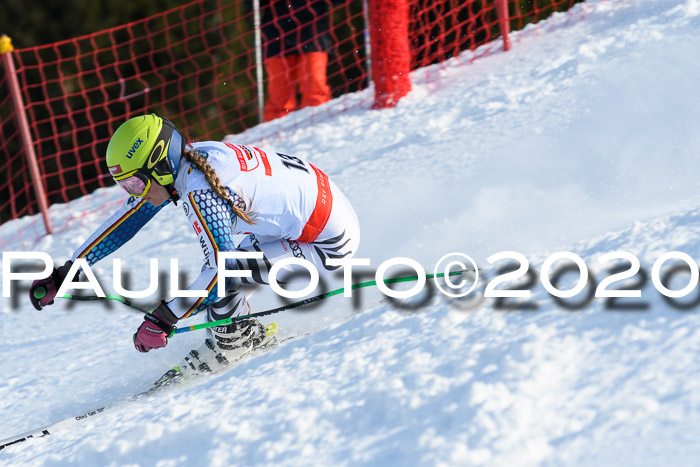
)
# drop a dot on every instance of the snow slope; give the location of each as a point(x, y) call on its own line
point(583, 137)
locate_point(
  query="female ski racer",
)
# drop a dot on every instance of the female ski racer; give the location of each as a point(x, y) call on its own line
point(286, 206)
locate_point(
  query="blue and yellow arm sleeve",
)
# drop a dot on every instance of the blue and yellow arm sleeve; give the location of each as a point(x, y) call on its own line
point(133, 214)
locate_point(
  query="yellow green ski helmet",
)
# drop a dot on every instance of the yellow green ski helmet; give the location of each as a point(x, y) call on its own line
point(148, 144)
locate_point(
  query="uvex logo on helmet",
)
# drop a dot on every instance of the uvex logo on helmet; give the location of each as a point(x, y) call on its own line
point(133, 149)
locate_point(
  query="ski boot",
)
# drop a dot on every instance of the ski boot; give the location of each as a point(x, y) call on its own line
point(224, 345)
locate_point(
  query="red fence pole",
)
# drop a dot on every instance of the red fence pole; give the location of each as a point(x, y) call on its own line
point(391, 55)
point(6, 52)
point(502, 11)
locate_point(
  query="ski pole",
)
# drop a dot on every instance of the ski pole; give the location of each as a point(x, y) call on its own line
point(306, 301)
point(223, 322)
point(117, 298)
point(40, 293)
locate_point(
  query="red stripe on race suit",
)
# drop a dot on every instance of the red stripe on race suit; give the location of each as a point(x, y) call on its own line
point(266, 162)
point(322, 211)
point(240, 156)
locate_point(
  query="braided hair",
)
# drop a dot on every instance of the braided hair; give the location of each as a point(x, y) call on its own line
point(213, 180)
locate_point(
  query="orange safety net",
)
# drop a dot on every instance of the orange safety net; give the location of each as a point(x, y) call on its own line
point(196, 65)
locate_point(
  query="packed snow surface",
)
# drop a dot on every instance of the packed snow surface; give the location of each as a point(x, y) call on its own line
point(584, 137)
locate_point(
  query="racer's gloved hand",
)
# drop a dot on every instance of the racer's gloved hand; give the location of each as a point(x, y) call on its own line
point(43, 291)
point(155, 329)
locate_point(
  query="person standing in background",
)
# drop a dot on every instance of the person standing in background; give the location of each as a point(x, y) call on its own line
point(296, 41)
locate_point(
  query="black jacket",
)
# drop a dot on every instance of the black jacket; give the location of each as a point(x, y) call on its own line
point(292, 27)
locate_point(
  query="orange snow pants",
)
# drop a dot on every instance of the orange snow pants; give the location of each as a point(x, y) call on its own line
point(308, 71)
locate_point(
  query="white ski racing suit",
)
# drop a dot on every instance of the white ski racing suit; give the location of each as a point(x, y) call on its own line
point(298, 212)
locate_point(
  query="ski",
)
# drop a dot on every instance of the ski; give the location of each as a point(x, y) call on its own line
point(50, 429)
point(168, 380)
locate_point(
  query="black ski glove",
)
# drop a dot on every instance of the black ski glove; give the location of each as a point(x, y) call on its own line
point(43, 291)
